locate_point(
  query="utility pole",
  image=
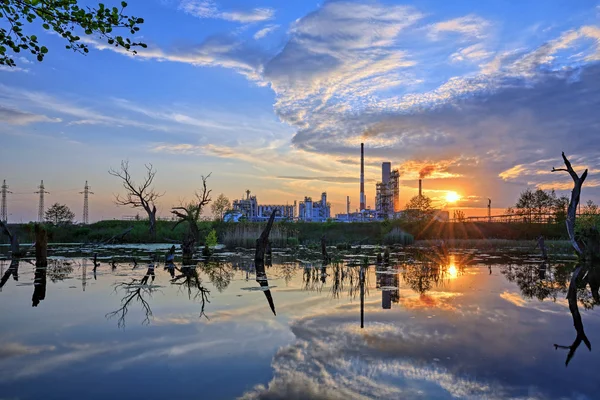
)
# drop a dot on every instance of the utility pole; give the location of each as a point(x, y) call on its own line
point(41, 191)
point(86, 192)
point(489, 210)
point(3, 209)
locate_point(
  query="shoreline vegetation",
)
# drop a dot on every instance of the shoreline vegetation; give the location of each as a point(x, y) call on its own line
point(244, 234)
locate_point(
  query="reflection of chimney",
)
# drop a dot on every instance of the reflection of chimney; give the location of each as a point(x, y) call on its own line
point(362, 176)
point(420, 187)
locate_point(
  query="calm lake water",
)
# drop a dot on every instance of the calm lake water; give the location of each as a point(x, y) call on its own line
point(458, 325)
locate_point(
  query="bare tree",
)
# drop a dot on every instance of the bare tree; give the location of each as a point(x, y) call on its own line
point(190, 213)
point(575, 195)
point(138, 196)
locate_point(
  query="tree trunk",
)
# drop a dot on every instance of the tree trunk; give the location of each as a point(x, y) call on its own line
point(41, 246)
point(263, 241)
point(152, 220)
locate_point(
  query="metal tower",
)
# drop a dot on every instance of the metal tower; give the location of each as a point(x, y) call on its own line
point(86, 192)
point(41, 191)
point(3, 209)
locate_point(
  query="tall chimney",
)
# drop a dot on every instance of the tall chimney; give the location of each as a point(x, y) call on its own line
point(420, 187)
point(362, 177)
point(348, 206)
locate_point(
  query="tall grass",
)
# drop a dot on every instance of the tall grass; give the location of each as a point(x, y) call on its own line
point(245, 235)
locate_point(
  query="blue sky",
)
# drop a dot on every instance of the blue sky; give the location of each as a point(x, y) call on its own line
point(276, 97)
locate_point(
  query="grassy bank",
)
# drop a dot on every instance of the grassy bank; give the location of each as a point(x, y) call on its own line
point(245, 234)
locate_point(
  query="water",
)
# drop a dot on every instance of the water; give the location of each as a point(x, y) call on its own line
point(463, 325)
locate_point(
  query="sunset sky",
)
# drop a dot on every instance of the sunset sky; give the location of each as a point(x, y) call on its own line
point(276, 97)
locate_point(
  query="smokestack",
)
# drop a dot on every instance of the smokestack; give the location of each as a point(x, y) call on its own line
point(348, 206)
point(362, 176)
point(420, 187)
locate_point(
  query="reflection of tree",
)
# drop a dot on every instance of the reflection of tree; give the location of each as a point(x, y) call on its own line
point(135, 291)
point(39, 286)
point(537, 281)
point(311, 279)
point(577, 321)
point(13, 271)
point(59, 270)
point(190, 280)
point(219, 274)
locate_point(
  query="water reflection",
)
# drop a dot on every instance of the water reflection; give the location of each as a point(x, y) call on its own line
point(189, 280)
point(134, 291)
point(437, 330)
point(13, 270)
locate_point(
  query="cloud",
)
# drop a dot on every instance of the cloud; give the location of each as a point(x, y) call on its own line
point(209, 9)
point(335, 179)
point(472, 53)
point(539, 173)
point(12, 349)
point(215, 51)
point(471, 26)
point(265, 31)
point(6, 68)
point(16, 117)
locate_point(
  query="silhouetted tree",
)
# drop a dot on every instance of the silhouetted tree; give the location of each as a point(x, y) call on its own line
point(142, 196)
point(59, 214)
point(418, 208)
point(61, 17)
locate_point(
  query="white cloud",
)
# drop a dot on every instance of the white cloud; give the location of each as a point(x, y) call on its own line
point(471, 26)
point(209, 9)
point(6, 68)
point(17, 117)
point(265, 31)
point(472, 53)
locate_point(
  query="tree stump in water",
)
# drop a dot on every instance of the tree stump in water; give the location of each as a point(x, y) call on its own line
point(41, 246)
point(187, 249)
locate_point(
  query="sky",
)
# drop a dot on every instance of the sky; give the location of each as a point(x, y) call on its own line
point(276, 97)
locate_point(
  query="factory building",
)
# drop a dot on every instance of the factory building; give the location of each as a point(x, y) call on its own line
point(311, 211)
point(249, 209)
point(387, 198)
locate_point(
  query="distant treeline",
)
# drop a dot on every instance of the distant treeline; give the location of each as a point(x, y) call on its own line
point(244, 234)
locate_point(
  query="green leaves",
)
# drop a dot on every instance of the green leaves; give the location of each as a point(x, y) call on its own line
point(63, 17)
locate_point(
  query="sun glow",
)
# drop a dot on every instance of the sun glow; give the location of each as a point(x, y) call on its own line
point(452, 197)
point(452, 270)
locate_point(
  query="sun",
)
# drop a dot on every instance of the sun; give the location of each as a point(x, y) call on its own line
point(452, 197)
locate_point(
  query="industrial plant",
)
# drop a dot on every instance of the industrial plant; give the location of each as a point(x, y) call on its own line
point(387, 203)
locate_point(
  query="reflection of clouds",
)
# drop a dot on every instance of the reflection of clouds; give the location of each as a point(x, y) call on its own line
point(555, 307)
point(513, 298)
point(439, 300)
point(14, 349)
point(340, 361)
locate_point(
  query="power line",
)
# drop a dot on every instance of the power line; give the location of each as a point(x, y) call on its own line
point(3, 208)
point(41, 191)
point(86, 192)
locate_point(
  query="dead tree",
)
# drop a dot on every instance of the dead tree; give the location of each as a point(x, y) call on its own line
point(190, 213)
point(575, 196)
point(138, 196)
point(14, 241)
point(262, 243)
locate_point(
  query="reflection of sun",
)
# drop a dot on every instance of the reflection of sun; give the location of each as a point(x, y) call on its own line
point(452, 197)
point(452, 270)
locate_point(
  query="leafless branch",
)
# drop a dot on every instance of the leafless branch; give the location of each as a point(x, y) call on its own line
point(137, 196)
